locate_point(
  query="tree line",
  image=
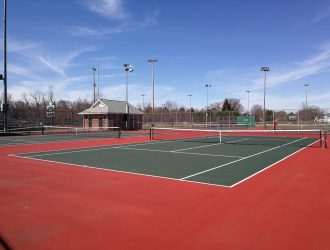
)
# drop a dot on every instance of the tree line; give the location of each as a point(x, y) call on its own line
point(31, 108)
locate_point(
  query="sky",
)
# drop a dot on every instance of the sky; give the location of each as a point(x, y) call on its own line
point(219, 42)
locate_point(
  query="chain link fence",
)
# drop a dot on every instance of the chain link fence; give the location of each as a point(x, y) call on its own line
point(286, 119)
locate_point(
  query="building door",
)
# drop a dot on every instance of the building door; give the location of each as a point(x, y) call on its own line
point(100, 122)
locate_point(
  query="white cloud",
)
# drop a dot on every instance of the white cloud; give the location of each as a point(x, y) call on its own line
point(315, 64)
point(21, 71)
point(113, 9)
point(127, 25)
point(18, 46)
point(60, 63)
point(322, 15)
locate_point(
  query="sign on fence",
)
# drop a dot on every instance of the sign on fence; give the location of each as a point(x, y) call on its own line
point(246, 121)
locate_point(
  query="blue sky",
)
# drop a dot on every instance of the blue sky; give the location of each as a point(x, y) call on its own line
point(223, 43)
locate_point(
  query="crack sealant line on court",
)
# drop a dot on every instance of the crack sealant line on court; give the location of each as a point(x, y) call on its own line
point(229, 163)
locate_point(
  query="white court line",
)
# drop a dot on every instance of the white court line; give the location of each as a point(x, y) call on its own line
point(154, 176)
point(175, 152)
point(128, 145)
point(229, 163)
point(127, 148)
point(196, 147)
point(238, 140)
point(271, 165)
point(120, 171)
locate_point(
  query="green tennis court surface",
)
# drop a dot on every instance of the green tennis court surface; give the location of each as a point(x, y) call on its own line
point(35, 139)
point(217, 163)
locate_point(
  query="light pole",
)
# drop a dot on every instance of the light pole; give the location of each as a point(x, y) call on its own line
point(248, 107)
point(128, 68)
point(98, 79)
point(153, 61)
point(207, 100)
point(190, 107)
point(94, 84)
point(4, 105)
point(143, 102)
point(306, 86)
point(264, 69)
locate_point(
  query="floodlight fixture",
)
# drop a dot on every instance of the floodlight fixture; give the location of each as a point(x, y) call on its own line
point(128, 68)
point(153, 61)
point(94, 84)
point(207, 101)
point(264, 69)
point(306, 86)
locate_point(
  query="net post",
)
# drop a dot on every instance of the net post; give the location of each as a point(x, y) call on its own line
point(321, 138)
point(325, 139)
point(220, 136)
point(150, 134)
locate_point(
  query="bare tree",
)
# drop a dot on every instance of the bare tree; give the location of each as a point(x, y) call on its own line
point(257, 111)
point(50, 93)
point(216, 106)
point(170, 105)
point(235, 105)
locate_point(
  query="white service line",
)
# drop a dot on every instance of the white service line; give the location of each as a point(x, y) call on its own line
point(120, 171)
point(271, 165)
point(204, 146)
point(175, 152)
point(229, 163)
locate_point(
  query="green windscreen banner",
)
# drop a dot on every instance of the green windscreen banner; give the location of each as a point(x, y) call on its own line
point(246, 121)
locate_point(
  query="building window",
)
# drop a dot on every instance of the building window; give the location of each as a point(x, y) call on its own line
point(100, 122)
point(90, 122)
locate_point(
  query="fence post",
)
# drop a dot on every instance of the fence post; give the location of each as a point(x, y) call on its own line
point(229, 120)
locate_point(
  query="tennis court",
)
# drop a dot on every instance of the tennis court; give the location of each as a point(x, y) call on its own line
point(60, 134)
point(224, 158)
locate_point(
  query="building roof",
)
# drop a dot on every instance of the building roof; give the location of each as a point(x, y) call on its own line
point(104, 106)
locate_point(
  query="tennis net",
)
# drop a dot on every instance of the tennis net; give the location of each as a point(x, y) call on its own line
point(299, 138)
point(98, 132)
point(17, 131)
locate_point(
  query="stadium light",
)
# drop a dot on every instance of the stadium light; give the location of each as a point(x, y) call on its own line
point(207, 100)
point(306, 86)
point(190, 107)
point(248, 106)
point(94, 84)
point(264, 69)
point(143, 102)
point(153, 61)
point(128, 68)
point(4, 104)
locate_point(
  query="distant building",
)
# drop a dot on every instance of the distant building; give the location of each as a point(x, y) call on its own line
point(111, 113)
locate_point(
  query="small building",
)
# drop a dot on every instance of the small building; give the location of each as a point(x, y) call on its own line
point(111, 113)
